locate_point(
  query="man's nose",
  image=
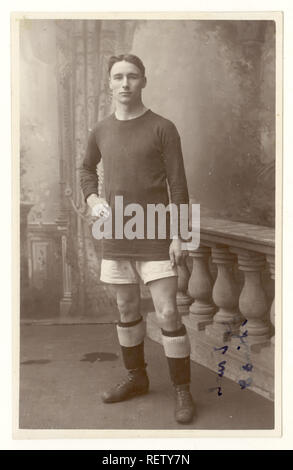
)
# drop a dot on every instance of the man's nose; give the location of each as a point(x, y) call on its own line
point(125, 82)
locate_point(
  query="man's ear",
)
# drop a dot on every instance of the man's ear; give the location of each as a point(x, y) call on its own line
point(110, 86)
point(145, 82)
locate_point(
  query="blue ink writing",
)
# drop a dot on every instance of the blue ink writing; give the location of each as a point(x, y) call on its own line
point(245, 383)
point(219, 389)
point(248, 366)
point(221, 366)
point(223, 347)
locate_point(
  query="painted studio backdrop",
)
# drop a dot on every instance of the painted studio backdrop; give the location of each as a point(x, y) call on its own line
point(214, 79)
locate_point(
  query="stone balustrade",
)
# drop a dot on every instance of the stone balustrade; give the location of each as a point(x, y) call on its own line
point(226, 300)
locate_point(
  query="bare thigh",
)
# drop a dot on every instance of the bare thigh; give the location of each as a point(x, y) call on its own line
point(163, 292)
point(128, 301)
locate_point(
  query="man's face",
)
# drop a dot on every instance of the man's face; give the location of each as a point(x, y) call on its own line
point(126, 82)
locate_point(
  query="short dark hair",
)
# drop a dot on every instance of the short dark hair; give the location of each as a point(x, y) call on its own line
point(133, 59)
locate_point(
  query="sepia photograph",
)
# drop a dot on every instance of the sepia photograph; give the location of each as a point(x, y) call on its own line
point(147, 182)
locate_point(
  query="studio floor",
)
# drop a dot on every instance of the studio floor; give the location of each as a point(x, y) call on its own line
point(64, 368)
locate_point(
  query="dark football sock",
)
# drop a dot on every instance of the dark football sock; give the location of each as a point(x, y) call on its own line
point(177, 350)
point(131, 338)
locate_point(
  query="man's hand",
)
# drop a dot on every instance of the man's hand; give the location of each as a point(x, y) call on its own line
point(175, 252)
point(99, 206)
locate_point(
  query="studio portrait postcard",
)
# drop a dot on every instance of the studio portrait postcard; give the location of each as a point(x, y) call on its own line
point(147, 224)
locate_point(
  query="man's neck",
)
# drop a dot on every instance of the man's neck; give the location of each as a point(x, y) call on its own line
point(124, 112)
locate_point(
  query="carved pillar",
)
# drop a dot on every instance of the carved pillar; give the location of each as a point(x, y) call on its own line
point(271, 261)
point(225, 295)
point(183, 298)
point(66, 301)
point(25, 207)
point(93, 72)
point(200, 288)
point(253, 301)
point(64, 78)
point(25, 293)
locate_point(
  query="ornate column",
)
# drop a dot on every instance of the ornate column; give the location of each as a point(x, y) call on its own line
point(93, 72)
point(25, 207)
point(64, 79)
point(225, 295)
point(25, 292)
point(83, 115)
point(253, 301)
point(66, 301)
point(183, 298)
point(200, 288)
point(271, 262)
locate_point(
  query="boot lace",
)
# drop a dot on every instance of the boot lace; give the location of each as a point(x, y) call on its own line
point(124, 382)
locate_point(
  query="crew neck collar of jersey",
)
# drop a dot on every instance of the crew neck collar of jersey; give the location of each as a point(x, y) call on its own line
point(131, 119)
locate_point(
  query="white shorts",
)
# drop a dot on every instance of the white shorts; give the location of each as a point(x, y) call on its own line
point(130, 272)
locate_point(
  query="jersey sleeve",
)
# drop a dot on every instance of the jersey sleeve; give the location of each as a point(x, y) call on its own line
point(174, 165)
point(89, 180)
point(176, 178)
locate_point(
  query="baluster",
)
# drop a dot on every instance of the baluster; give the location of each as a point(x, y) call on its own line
point(66, 301)
point(271, 262)
point(253, 301)
point(183, 298)
point(200, 288)
point(225, 295)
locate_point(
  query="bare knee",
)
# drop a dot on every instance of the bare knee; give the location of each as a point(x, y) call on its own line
point(128, 303)
point(128, 307)
point(168, 317)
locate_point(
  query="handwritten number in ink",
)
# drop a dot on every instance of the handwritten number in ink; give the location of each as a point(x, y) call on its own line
point(221, 365)
point(245, 383)
point(223, 347)
point(221, 368)
point(244, 335)
point(248, 367)
point(219, 389)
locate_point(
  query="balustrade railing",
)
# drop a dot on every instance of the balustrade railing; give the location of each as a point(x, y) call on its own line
point(233, 299)
point(219, 304)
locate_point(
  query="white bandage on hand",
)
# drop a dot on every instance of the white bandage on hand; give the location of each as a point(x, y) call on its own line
point(101, 210)
point(99, 206)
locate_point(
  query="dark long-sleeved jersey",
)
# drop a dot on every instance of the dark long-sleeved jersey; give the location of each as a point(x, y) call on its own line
point(139, 156)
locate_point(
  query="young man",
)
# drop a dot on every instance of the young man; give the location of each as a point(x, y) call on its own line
point(142, 156)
